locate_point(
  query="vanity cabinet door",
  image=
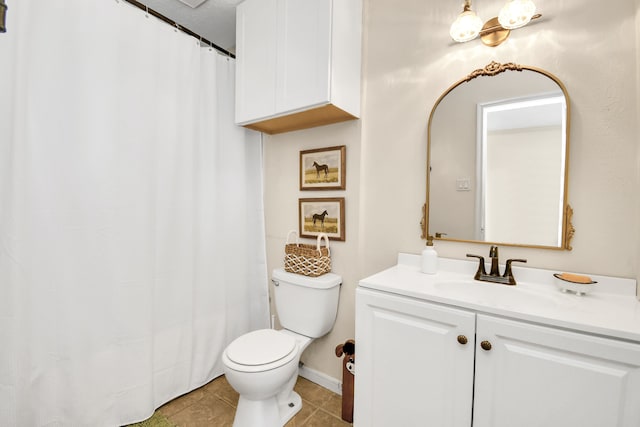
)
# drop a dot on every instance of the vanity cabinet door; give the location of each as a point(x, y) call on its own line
point(536, 376)
point(414, 364)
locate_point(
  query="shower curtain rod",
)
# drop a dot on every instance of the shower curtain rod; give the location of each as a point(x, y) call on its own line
point(179, 27)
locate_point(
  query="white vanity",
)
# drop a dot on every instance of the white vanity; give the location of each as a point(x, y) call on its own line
point(444, 350)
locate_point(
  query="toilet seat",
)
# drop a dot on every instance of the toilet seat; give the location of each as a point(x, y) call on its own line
point(260, 350)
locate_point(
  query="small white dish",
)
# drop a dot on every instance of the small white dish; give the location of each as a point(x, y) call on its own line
point(574, 287)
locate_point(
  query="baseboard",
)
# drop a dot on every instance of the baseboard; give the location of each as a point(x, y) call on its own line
point(321, 379)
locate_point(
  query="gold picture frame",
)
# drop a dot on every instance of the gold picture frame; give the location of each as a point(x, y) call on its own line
point(323, 168)
point(321, 215)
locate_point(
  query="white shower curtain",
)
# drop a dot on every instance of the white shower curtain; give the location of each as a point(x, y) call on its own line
point(131, 223)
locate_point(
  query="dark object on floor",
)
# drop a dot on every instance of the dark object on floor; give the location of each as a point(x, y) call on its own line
point(348, 376)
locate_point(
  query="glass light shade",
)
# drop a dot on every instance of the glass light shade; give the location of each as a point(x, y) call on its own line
point(466, 27)
point(516, 13)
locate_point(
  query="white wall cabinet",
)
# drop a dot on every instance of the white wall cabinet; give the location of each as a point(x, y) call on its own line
point(297, 63)
point(413, 371)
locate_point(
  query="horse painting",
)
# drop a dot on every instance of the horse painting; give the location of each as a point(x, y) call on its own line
point(320, 217)
point(321, 168)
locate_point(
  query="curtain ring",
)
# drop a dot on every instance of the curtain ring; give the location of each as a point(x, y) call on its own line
point(146, 13)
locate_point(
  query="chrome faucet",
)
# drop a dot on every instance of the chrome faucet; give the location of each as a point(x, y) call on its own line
point(494, 274)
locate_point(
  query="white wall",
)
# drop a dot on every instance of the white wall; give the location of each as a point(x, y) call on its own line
point(637, 92)
point(409, 60)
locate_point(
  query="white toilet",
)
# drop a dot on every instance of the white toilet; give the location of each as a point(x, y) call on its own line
point(262, 366)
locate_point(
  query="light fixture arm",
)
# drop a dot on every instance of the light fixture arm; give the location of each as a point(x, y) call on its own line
point(497, 27)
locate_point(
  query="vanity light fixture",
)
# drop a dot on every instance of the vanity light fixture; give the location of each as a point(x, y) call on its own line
point(514, 14)
point(3, 16)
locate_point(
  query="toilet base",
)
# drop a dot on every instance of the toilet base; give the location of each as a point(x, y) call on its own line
point(257, 413)
point(290, 408)
point(267, 412)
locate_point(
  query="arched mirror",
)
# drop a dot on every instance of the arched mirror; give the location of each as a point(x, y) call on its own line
point(497, 160)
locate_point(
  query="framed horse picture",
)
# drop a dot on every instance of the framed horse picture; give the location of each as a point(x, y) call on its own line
point(323, 169)
point(325, 215)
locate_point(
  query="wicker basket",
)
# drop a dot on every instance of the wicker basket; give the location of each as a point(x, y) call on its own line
point(308, 260)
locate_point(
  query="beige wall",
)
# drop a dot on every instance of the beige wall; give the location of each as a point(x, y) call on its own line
point(281, 158)
point(408, 61)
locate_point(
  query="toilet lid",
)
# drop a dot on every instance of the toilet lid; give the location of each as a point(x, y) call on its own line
point(260, 347)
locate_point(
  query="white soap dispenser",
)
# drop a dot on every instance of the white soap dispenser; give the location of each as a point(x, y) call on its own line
point(429, 264)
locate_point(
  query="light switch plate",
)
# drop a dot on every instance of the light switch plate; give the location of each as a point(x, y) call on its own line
point(463, 184)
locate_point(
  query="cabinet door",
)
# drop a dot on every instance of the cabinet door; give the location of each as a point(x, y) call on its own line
point(410, 368)
point(256, 44)
point(540, 376)
point(304, 42)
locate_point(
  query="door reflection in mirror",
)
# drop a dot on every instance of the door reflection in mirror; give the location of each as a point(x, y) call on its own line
point(521, 169)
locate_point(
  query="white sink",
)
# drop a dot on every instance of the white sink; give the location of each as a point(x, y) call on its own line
point(500, 295)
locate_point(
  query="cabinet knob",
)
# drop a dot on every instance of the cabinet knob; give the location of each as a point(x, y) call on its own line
point(486, 345)
point(462, 339)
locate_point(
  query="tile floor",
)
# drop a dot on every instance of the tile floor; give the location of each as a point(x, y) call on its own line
point(214, 405)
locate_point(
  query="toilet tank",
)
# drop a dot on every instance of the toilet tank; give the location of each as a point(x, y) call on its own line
point(306, 305)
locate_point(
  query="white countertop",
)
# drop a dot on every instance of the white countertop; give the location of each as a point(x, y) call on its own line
point(612, 309)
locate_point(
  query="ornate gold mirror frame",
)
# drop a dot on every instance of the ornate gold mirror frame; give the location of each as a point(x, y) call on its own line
point(490, 70)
